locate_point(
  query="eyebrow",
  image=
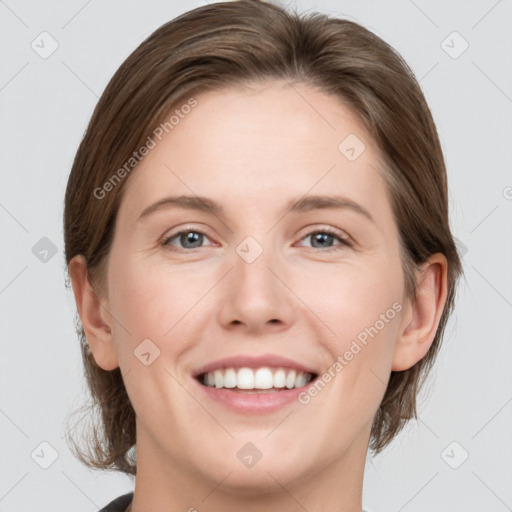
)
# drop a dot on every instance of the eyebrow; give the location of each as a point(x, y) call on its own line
point(304, 204)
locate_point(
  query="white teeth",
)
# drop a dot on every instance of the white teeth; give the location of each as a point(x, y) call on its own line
point(301, 380)
point(280, 378)
point(218, 378)
point(230, 378)
point(245, 378)
point(261, 378)
point(290, 379)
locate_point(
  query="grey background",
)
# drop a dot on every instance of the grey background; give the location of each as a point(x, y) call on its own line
point(45, 106)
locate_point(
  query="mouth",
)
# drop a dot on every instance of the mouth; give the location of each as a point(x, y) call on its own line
point(256, 380)
point(254, 385)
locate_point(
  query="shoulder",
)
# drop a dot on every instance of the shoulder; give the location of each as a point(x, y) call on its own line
point(119, 504)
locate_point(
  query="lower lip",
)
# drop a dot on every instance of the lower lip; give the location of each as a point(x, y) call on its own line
point(252, 403)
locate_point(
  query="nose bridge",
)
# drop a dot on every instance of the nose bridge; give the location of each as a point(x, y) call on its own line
point(253, 258)
point(255, 296)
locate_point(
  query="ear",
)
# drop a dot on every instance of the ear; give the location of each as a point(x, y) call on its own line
point(93, 312)
point(423, 313)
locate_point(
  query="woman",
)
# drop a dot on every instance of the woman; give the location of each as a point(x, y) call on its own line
point(257, 235)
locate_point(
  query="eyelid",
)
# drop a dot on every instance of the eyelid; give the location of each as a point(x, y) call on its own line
point(192, 228)
point(344, 239)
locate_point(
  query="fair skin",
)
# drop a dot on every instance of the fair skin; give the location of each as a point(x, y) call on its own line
point(253, 151)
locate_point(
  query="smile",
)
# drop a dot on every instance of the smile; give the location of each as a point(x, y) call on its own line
point(254, 385)
point(258, 380)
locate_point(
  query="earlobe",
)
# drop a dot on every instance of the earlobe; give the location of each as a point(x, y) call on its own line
point(419, 330)
point(94, 316)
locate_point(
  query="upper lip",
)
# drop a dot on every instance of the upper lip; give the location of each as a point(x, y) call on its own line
point(246, 361)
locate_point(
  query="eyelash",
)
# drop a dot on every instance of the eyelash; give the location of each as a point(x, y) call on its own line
point(344, 242)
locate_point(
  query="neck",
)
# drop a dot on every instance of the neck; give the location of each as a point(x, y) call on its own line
point(173, 484)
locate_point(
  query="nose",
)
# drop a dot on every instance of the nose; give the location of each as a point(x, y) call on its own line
point(255, 297)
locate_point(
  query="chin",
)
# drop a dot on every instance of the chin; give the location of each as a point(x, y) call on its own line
point(262, 478)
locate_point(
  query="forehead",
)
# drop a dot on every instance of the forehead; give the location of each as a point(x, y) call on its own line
point(274, 142)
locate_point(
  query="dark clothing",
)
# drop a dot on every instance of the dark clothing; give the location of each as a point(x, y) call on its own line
point(119, 504)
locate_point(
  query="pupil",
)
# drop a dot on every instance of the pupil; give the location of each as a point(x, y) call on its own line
point(322, 236)
point(191, 237)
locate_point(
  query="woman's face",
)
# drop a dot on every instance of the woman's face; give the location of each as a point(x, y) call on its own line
point(272, 286)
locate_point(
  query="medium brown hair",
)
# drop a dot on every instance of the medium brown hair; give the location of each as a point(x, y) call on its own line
point(250, 41)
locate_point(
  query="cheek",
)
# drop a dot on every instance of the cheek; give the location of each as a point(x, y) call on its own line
point(134, 293)
point(154, 301)
point(363, 308)
point(353, 299)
